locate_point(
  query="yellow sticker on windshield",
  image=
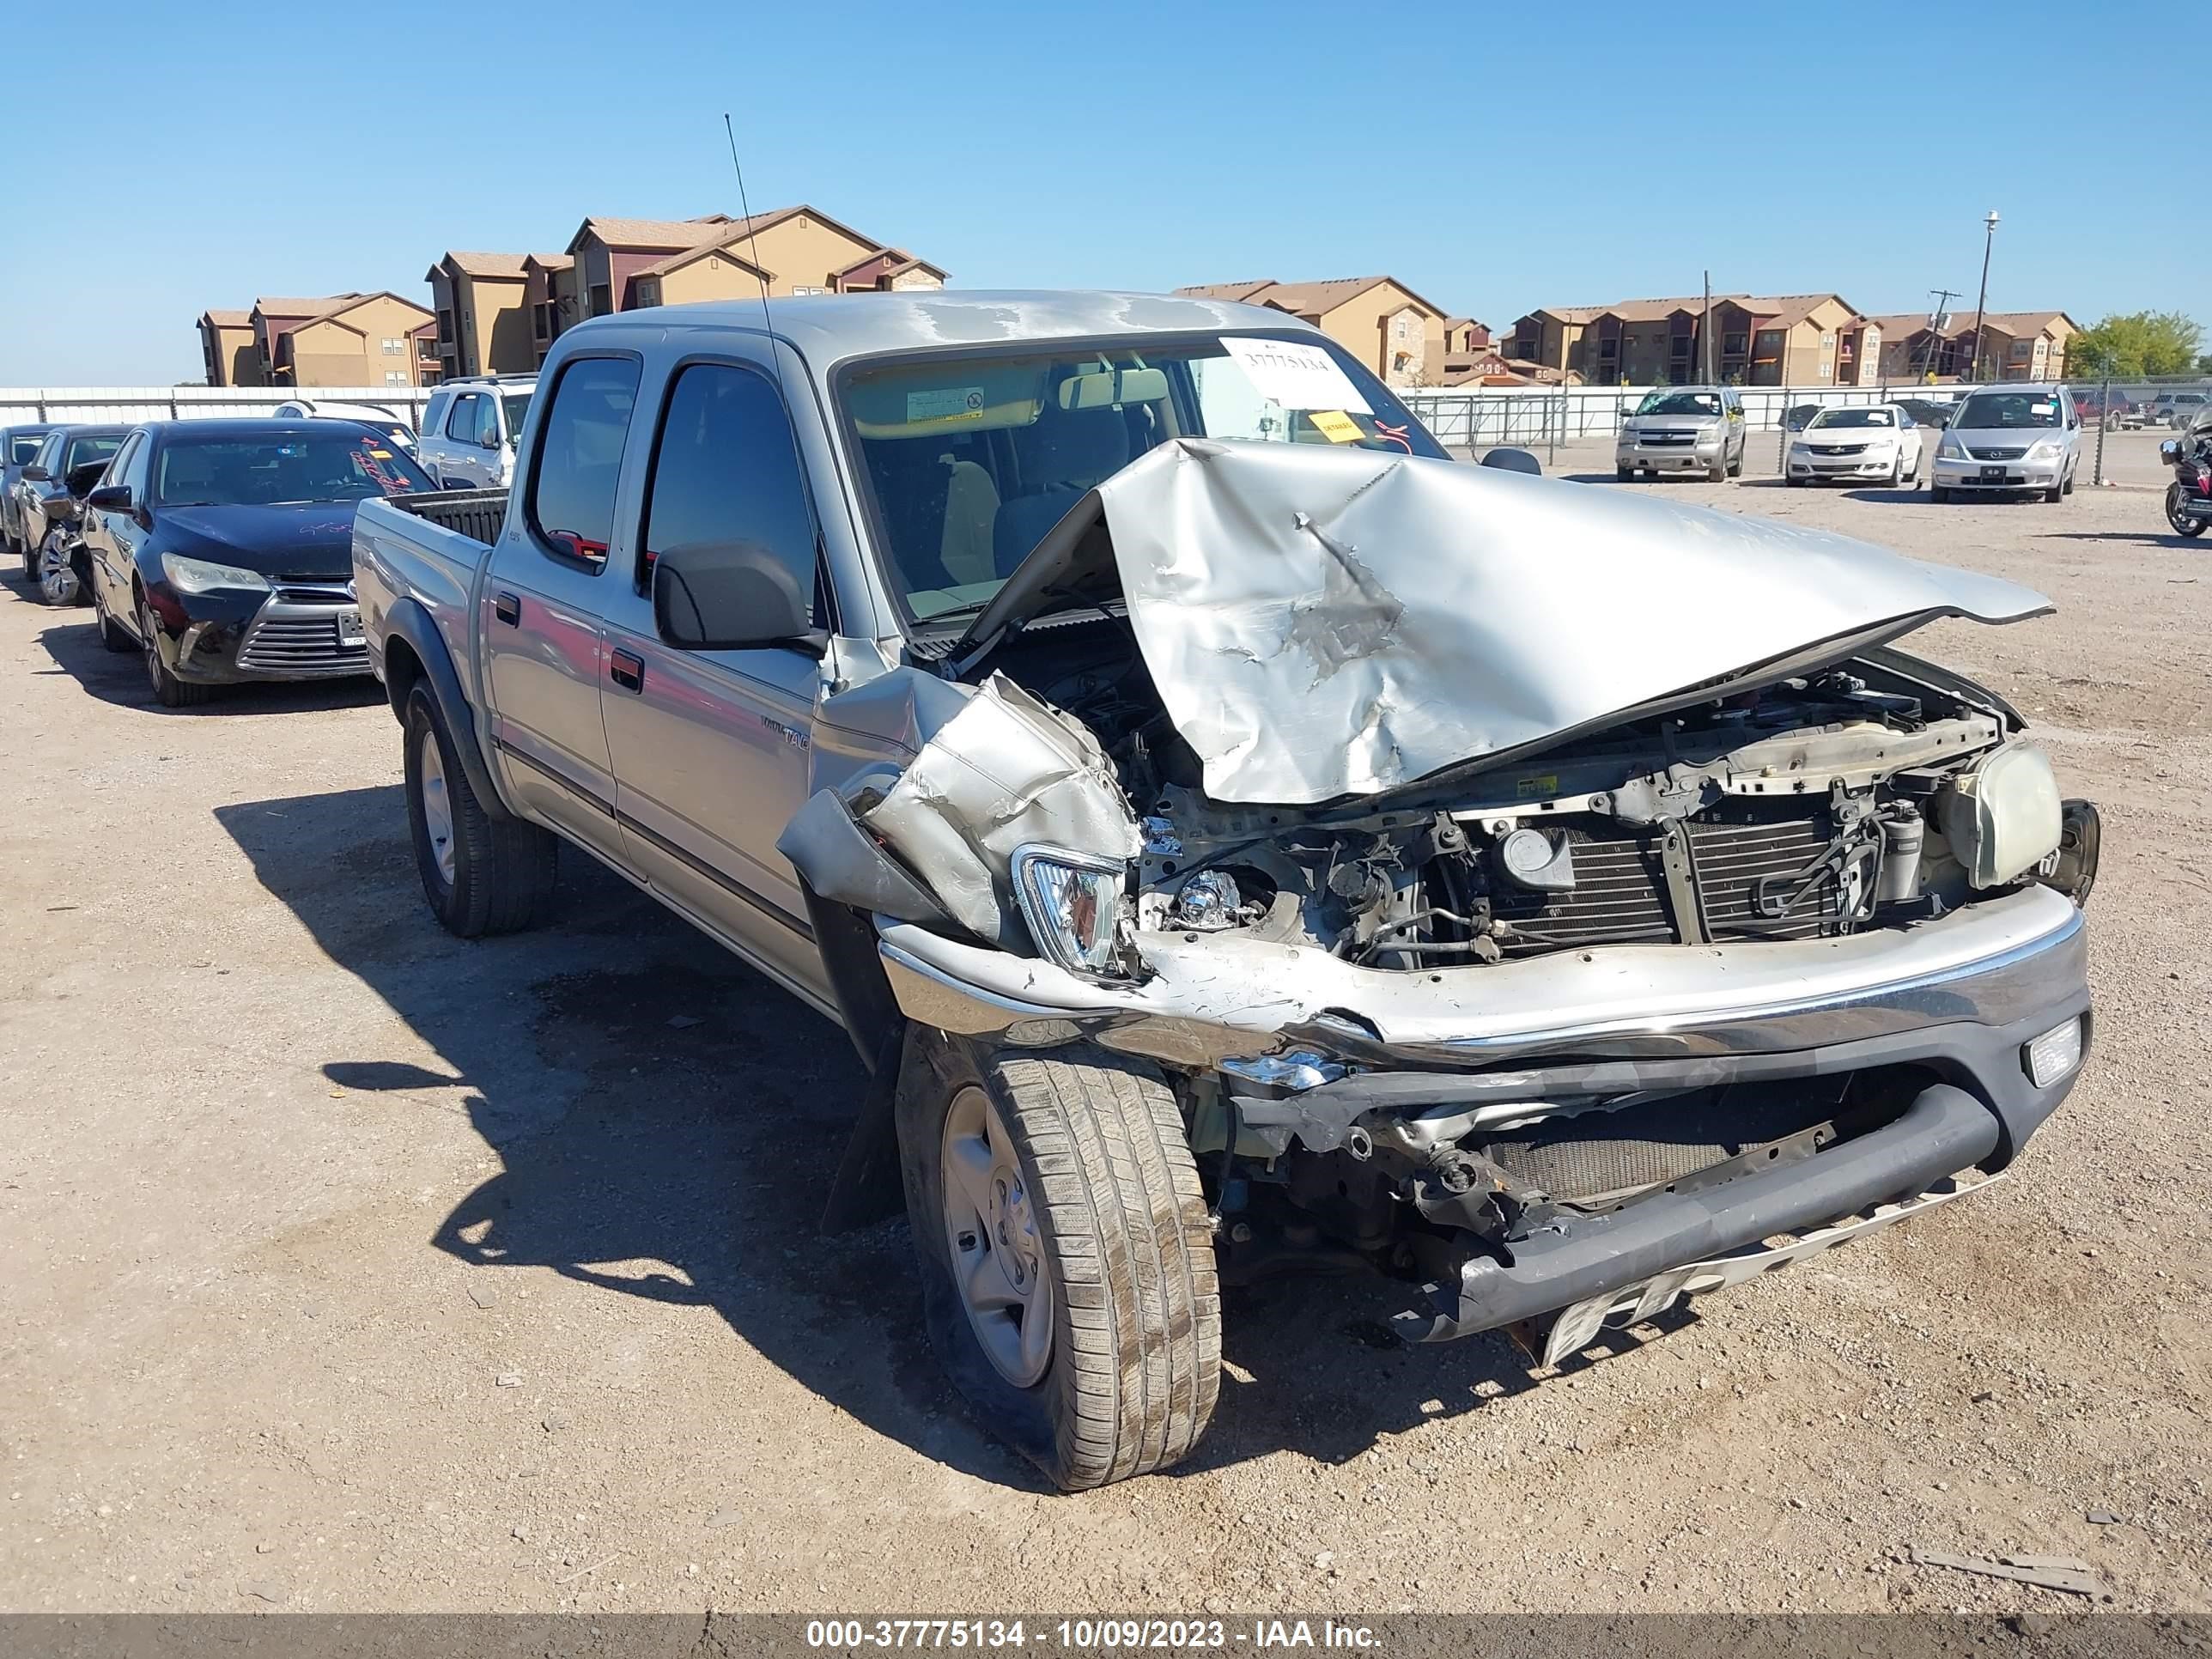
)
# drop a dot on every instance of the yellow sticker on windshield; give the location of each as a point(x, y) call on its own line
point(380, 455)
point(1336, 426)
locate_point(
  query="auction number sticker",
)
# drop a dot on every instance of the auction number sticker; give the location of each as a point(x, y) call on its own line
point(948, 403)
point(1089, 1635)
point(1295, 375)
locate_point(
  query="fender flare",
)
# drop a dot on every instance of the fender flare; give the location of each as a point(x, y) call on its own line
point(408, 620)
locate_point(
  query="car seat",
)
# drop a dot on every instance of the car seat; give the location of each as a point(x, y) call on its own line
point(1068, 451)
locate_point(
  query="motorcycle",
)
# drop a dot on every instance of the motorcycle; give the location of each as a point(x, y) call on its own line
point(2189, 497)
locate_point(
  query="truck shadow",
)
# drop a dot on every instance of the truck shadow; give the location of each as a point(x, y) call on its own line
point(666, 1122)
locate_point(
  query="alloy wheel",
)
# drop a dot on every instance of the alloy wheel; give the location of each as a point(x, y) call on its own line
point(997, 1249)
point(58, 583)
point(437, 805)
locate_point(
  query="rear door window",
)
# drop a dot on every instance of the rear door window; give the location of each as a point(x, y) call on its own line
point(461, 423)
point(570, 508)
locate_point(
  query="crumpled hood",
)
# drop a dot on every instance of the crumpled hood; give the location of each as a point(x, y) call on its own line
point(1325, 623)
point(304, 538)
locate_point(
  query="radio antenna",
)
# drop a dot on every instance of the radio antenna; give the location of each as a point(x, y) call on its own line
point(752, 242)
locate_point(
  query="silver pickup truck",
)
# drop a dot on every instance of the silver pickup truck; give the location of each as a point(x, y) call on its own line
point(1235, 837)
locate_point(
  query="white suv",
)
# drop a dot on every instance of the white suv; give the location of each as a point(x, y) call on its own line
point(470, 428)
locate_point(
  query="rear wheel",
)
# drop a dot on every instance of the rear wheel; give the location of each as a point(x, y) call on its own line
point(113, 634)
point(482, 875)
point(168, 690)
point(1067, 1258)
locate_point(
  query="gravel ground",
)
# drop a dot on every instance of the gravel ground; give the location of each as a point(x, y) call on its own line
point(351, 1268)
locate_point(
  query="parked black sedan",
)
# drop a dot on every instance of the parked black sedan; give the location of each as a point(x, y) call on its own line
point(222, 550)
point(47, 501)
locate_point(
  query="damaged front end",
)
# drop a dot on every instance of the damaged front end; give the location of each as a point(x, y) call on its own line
point(1568, 907)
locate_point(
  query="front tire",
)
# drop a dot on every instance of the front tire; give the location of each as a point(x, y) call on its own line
point(168, 690)
point(1938, 494)
point(1624, 474)
point(58, 583)
point(2177, 499)
point(1060, 1186)
point(482, 875)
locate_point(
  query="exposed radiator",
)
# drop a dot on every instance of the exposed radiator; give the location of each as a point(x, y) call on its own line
point(1620, 895)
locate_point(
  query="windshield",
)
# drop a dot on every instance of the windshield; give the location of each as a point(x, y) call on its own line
point(1679, 403)
point(99, 449)
point(339, 465)
point(517, 405)
point(22, 446)
point(1835, 417)
point(969, 460)
point(1989, 411)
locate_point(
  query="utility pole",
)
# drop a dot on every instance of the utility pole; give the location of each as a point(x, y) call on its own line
point(1705, 335)
point(1989, 239)
point(1936, 318)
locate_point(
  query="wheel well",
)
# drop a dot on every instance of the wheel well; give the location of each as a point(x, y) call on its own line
point(402, 668)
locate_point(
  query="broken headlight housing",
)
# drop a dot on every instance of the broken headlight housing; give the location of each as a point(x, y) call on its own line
point(2003, 818)
point(1072, 904)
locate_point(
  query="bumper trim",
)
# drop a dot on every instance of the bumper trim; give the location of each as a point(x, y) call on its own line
point(1945, 1131)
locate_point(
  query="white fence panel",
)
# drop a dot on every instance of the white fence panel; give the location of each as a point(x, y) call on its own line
point(124, 404)
point(1479, 417)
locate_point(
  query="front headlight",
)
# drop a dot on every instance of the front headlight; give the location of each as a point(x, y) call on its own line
point(1951, 449)
point(2003, 817)
point(1798, 448)
point(1072, 903)
point(199, 576)
point(2045, 449)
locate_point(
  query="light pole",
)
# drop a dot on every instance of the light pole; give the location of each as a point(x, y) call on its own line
point(1989, 238)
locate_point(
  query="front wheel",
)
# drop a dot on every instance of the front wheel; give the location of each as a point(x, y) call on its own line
point(168, 690)
point(482, 875)
point(1066, 1257)
point(2177, 514)
point(57, 582)
point(1623, 474)
point(1937, 493)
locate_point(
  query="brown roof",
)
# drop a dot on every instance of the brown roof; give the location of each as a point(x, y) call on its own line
point(1788, 310)
point(550, 261)
point(896, 262)
point(1230, 291)
point(1901, 322)
point(227, 318)
point(321, 307)
point(485, 264)
point(1300, 299)
point(2018, 324)
point(732, 232)
point(672, 233)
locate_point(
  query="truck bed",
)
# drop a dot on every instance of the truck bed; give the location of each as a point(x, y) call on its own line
point(427, 548)
point(475, 513)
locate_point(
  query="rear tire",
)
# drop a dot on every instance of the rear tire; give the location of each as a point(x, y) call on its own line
point(1095, 1201)
point(113, 634)
point(482, 875)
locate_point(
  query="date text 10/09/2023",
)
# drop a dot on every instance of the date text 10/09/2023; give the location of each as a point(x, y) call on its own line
point(1086, 1635)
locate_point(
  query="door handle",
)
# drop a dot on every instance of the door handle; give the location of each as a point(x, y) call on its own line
point(508, 607)
point(626, 670)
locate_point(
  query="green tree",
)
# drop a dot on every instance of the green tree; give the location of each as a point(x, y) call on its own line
point(2136, 343)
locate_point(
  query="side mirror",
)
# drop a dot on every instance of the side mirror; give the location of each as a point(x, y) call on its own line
point(489, 441)
point(728, 596)
point(36, 474)
point(110, 498)
point(1514, 460)
point(2170, 451)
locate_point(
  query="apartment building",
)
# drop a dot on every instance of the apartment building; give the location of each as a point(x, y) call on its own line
point(1380, 320)
point(2015, 345)
point(1791, 339)
point(227, 348)
point(622, 264)
point(483, 312)
point(339, 339)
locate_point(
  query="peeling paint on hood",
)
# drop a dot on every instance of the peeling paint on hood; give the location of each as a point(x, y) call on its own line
point(1325, 623)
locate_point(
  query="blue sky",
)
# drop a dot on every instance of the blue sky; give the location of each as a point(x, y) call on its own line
point(1494, 158)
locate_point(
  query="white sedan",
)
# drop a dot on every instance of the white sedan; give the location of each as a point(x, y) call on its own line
point(1872, 441)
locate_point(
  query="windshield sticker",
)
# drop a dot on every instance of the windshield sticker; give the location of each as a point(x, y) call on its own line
point(2040, 408)
point(1336, 426)
point(1295, 375)
point(949, 403)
